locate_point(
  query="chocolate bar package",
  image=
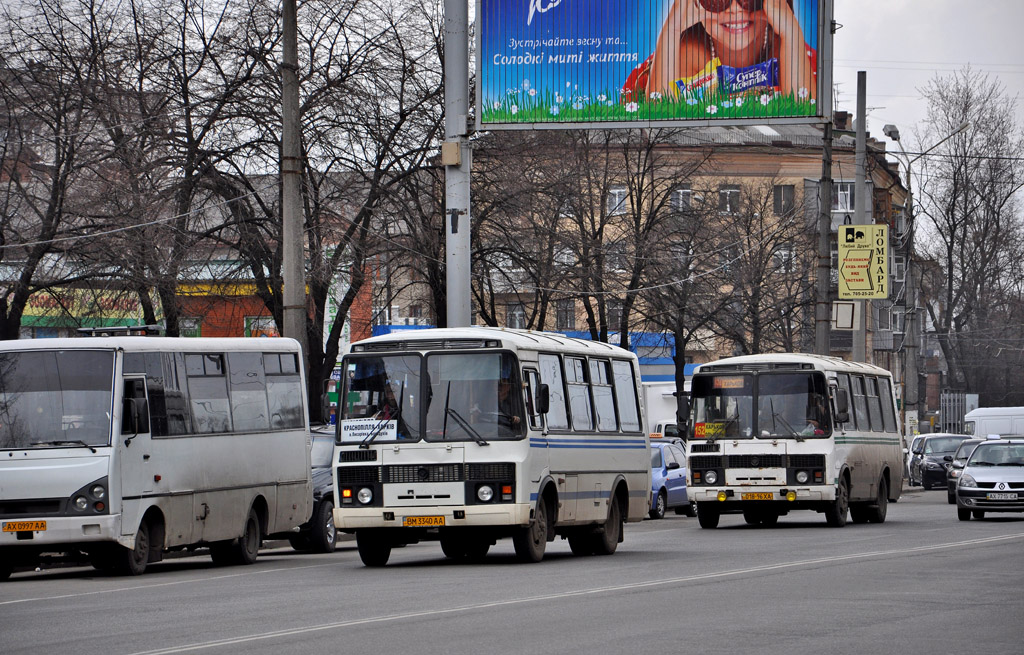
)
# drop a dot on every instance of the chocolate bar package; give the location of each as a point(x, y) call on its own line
point(733, 79)
point(704, 82)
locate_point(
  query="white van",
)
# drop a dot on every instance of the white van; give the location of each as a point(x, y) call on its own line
point(984, 421)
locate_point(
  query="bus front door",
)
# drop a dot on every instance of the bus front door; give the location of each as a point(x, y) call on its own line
point(138, 477)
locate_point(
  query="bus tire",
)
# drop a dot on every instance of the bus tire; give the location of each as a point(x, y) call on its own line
point(607, 540)
point(876, 512)
point(835, 513)
point(708, 515)
point(243, 550)
point(453, 547)
point(769, 517)
point(580, 543)
point(751, 517)
point(374, 548)
point(133, 561)
point(531, 542)
point(477, 549)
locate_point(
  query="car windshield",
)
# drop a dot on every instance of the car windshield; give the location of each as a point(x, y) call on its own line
point(964, 451)
point(55, 399)
point(942, 445)
point(788, 405)
point(997, 454)
point(322, 454)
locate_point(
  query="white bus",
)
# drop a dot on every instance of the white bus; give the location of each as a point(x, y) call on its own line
point(474, 434)
point(118, 449)
point(772, 433)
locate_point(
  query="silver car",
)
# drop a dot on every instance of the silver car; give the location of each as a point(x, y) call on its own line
point(992, 480)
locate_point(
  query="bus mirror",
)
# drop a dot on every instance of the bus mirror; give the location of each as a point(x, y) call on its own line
point(842, 406)
point(543, 399)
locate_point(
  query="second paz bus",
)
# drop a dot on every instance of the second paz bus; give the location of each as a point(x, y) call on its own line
point(772, 433)
point(468, 435)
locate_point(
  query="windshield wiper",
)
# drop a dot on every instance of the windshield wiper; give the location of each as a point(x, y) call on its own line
point(379, 426)
point(464, 424)
point(781, 419)
point(64, 442)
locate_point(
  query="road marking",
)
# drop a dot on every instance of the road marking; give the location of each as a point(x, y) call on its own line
point(159, 584)
point(233, 641)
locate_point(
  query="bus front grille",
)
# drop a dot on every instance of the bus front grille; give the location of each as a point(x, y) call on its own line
point(755, 461)
point(423, 473)
point(706, 462)
point(34, 507)
point(358, 474)
point(492, 471)
point(807, 461)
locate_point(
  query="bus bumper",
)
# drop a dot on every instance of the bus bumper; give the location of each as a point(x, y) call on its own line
point(66, 531)
point(733, 495)
point(509, 514)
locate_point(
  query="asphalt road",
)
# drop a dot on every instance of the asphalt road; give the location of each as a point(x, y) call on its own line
point(923, 582)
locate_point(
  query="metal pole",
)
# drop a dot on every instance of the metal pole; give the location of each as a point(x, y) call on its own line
point(910, 313)
point(860, 202)
point(822, 302)
point(457, 158)
point(293, 268)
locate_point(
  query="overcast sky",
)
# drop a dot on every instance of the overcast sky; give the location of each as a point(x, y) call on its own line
point(904, 43)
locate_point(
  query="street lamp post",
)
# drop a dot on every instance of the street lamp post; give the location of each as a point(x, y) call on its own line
point(910, 374)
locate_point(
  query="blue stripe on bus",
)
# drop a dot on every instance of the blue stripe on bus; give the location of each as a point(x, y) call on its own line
point(605, 444)
point(591, 495)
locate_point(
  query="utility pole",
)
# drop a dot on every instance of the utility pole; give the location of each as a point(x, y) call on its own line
point(822, 301)
point(293, 268)
point(457, 157)
point(860, 202)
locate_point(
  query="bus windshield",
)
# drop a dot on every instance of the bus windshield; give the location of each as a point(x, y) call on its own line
point(55, 399)
point(474, 396)
point(768, 406)
point(380, 400)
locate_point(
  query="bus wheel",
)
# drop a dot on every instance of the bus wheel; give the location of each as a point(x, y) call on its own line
point(530, 542)
point(708, 515)
point(243, 550)
point(606, 541)
point(476, 549)
point(751, 517)
point(835, 513)
point(769, 517)
point(453, 547)
point(374, 548)
point(877, 512)
point(133, 561)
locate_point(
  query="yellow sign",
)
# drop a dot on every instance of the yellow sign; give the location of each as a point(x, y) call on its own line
point(864, 261)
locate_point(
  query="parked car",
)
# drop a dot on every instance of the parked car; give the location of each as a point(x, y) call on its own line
point(929, 465)
point(955, 466)
point(992, 480)
point(907, 473)
point(668, 481)
point(319, 534)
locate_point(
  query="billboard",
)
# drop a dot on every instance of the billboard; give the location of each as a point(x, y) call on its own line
point(864, 261)
point(608, 63)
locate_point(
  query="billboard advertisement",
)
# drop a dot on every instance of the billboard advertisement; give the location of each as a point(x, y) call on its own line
point(548, 63)
point(864, 261)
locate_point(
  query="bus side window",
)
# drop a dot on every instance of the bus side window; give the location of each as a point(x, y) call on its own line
point(888, 411)
point(874, 404)
point(533, 397)
point(844, 385)
point(551, 375)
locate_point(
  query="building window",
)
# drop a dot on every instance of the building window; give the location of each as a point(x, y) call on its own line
point(515, 315)
point(617, 200)
point(783, 199)
point(883, 317)
point(783, 257)
point(899, 268)
point(615, 257)
point(565, 314)
point(729, 199)
point(680, 199)
point(614, 314)
point(842, 196)
point(898, 315)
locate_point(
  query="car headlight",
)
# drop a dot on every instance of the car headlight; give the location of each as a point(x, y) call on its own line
point(485, 493)
point(967, 481)
point(365, 496)
point(954, 473)
point(802, 477)
point(711, 477)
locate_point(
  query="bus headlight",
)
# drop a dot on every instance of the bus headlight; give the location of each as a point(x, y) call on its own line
point(802, 477)
point(97, 491)
point(81, 503)
point(365, 496)
point(711, 477)
point(485, 493)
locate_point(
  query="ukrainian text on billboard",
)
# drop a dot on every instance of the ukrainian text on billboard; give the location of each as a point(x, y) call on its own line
point(586, 61)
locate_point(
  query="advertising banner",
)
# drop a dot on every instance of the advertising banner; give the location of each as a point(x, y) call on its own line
point(864, 261)
point(545, 63)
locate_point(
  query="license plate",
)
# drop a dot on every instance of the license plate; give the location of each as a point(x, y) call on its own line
point(24, 526)
point(423, 521)
point(759, 495)
point(999, 496)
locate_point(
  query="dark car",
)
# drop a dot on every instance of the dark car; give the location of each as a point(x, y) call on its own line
point(955, 466)
point(318, 534)
point(668, 480)
point(929, 464)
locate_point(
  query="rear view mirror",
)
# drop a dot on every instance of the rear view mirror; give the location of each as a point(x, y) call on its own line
point(842, 406)
point(673, 465)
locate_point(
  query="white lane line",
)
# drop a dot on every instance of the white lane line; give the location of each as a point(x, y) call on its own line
point(243, 639)
point(160, 584)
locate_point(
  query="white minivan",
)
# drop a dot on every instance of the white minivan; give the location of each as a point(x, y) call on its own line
point(984, 421)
